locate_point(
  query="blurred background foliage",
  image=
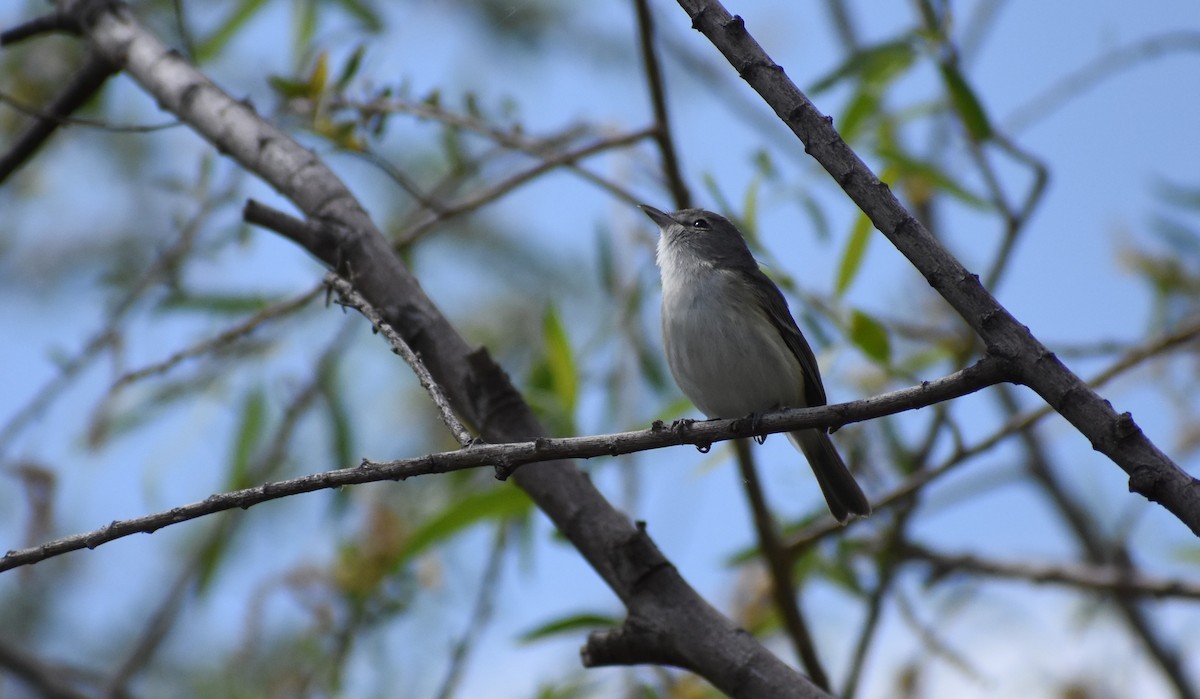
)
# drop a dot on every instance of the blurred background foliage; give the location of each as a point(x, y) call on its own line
point(158, 349)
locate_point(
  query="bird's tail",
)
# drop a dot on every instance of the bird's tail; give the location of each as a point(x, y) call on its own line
point(837, 483)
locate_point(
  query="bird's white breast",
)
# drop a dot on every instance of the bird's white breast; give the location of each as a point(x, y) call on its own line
point(723, 351)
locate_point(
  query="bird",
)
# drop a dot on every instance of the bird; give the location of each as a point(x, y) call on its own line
point(732, 344)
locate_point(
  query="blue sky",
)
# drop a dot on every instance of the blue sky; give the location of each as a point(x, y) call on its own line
point(1105, 149)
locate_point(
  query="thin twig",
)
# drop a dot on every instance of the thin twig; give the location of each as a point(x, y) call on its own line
point(157, 628)
point(780, 567)
point(94, 348)
point(1100, 578)
point(928, 633)
point(268, 463)
point(501, 188)
point(1151, 472)
point(1098, 551)
point(1133, 358)
point(50, 115)
point(662, 125)
point(480, 614)
point(83, 85)
point(218, 341)
point(509, 138)
point(350, 297)
point(50, 681)
point(507, 457)
point(1073, 84)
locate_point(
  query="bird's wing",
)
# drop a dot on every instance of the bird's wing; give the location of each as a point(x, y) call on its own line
point(772, 301)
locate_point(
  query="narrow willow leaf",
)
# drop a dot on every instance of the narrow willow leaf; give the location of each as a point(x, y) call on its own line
point(870, 336)
point(569, 624)
point(852, 256)
point(968, 106)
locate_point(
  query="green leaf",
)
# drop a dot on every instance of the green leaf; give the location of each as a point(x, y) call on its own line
point(499, 502)
point(350, 69)
point(363, 13)
point(714, 190)
point(906, 167)
point(870, 336)
point(319, 75)
point(862, 107)
point(876, 64)
point(969, 109)
point(249, 433)
point(763, 164)
point(816, 215)
point(306, 25)
point(224, 304)
point(852, 257)
point(288, 88)
point(207, 49)
point(211, 556)
point(569, 624)
point(558, 373)
point(749, 216)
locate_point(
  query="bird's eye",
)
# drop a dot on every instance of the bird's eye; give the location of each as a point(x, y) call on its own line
point(701, 224)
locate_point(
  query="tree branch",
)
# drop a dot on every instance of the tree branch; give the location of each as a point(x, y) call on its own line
point(352, 298)
point(57, 22)
point(50, 681)
point(1151, 473)
point(479, 389)
point(507, 457)
point(83, 86)
point(491, 194)
point(1100, 578)
point(658, 99)
point(783, 586)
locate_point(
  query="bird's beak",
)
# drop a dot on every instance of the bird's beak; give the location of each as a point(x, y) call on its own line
point(662, 219)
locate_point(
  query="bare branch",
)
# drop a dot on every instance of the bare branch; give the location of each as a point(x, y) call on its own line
point(219, 340)
point(87, 82)
point(1098, 578)
point(783, 586)
point(507, 457)
point(508, 138)
point(658, 99)
point(485, 598)
point(49, 681)
point(1079, 81)
point(57, 22)
point(352, 298)
point(901, 493)
point(1151, 472)
point(508, 184)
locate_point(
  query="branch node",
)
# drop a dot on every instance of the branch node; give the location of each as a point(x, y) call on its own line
point(735, 25)
point(1125, 427)
point(632, 643)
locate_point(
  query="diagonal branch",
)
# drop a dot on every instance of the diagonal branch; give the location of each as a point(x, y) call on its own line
point(1098, 578)
point(352, 298)
point(658, 98)
point(1151, 472)
point(653, 591)
point(82, 87)
point(783, 584)
point(508, 184)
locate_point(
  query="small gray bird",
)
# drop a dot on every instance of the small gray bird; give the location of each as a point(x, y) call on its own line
point(732, 344)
